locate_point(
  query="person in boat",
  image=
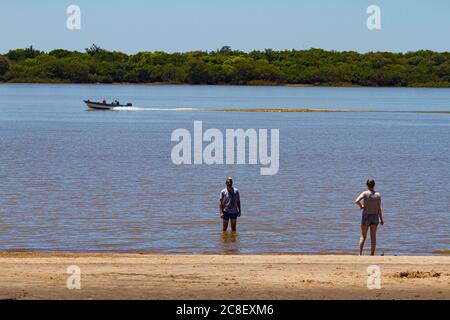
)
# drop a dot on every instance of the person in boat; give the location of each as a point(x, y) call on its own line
point(230, 205)
point(104, 101)
point(371, 215)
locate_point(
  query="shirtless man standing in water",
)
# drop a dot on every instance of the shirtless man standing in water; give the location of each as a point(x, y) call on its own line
point(371, 215)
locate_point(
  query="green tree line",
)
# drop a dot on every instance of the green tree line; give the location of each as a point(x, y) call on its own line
point(226, 66)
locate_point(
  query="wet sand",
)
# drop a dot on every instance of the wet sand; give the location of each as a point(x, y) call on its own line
point(152, 276)
point(285, 110)
point(293, 110)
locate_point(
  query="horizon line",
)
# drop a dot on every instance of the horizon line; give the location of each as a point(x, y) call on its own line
point(231, 50)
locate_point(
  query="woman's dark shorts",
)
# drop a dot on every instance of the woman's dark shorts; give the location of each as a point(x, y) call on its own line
point(228, 216)
point(369, 219)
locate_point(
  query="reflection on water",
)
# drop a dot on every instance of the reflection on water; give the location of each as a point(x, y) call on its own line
point(230, 242)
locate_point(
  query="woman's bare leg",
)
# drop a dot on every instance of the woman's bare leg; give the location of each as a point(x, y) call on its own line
point(364, 230)
point(373, 238)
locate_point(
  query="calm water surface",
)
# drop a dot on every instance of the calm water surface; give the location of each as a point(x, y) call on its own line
point(78, 180)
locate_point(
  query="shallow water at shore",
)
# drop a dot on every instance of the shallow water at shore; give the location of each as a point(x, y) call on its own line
point(72, 180)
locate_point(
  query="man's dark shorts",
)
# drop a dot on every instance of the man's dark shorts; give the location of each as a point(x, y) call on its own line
point(228, 216)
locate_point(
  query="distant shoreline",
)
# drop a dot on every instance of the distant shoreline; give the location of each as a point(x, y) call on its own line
point(294, 85)
point(225, 66)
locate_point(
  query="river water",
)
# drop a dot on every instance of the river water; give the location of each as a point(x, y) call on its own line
point(79, 180)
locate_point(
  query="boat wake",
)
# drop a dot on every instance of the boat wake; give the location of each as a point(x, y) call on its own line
point(150, 109)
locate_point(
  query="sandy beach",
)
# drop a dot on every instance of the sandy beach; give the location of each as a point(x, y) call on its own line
point(152, 276)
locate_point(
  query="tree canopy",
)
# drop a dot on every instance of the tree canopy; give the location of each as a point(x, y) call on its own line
point(227, 66)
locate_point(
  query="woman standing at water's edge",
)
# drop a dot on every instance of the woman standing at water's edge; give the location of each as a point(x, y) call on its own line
point(371, 215)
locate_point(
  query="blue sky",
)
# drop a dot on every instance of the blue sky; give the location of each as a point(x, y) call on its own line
point(183, 25)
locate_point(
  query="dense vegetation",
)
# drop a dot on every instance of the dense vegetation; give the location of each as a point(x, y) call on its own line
point(227, 66)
